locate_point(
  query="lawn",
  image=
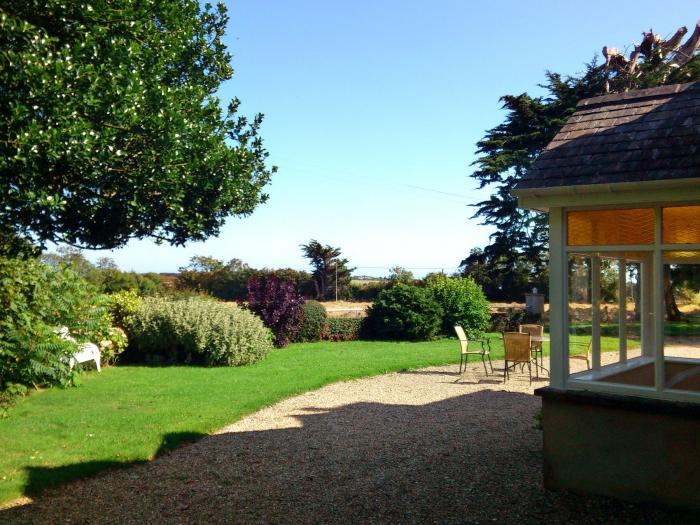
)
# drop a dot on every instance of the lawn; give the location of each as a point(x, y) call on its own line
point(130, 414)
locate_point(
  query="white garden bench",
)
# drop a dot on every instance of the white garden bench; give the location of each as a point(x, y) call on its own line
point(87, 352)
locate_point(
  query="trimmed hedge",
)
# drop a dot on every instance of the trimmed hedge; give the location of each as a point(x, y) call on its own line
point(344, 329)
point(197, 331)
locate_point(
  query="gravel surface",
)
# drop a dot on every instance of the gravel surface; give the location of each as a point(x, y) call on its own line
point(423, 446)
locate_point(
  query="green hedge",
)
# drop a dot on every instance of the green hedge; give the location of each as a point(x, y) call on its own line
point(314, 323)
point(404, 312)
point(344, 329)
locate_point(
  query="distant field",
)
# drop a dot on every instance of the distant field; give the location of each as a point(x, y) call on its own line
point(346, 308)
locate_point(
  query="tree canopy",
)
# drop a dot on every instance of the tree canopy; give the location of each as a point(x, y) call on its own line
point(331, 273)
point(518, 249)
point(110, 128)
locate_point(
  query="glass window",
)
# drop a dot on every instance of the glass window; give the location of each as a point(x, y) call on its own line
point(681, 225)
point(610, 227)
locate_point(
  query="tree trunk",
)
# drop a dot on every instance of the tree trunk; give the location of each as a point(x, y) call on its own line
point(672, 311)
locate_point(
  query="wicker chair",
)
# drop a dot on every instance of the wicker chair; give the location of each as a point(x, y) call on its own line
point(581, 350)
point(465, 352)
point(516, 347)
point(536, 349)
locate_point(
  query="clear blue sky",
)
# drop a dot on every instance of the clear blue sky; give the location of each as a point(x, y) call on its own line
point(367, 101)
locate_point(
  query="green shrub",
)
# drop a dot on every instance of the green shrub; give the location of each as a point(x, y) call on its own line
point(344, 329)
point(122, 305)
point(463, 303)
point(36, 300)
point(197, 331)
point(313, 324)
point(404, 312)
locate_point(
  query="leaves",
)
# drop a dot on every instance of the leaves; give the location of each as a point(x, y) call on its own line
point(110, 125)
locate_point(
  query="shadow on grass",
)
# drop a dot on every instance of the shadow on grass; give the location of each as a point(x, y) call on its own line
point(42, 478)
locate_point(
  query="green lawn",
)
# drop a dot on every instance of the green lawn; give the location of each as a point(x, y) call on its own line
point(130, 414)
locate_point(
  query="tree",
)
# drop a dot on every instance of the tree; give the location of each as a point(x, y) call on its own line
point(110, 128)
point(509, 149)
point(329, 269)
point(398, 274)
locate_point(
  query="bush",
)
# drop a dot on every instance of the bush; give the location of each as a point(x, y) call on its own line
point(463, 303)
point(313, 323)
point(36, 300)
point(344, 329)
point(197, 331)
point(404, 312)
point(122, 305)
point(278, 304)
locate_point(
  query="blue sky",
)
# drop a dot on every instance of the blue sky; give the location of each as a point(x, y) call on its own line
point(372, 112)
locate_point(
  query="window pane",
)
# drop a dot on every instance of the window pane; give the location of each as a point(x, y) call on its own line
point(681, 225)
point(610, 227)
point(682, 322)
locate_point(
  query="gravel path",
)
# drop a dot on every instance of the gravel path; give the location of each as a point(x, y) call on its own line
point(424, 446)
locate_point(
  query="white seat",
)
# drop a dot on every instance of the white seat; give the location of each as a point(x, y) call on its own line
point(87, 352)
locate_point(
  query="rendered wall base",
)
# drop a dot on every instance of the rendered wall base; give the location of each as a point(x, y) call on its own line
point(625, 447)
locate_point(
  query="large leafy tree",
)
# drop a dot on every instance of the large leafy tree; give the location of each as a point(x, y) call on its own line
point(110, 128)
point(517, 253)
point(331, 274)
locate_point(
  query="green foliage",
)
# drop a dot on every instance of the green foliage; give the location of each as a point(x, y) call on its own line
point(122, 305)
point(313, 324)
point(404, 312)
point(105, 275)
point(196, 331)
point(111, 128)
point(463, 303)
point(9, 395)
point(344, 329)
point(113, 345)
point(229, 281)
point(331, 273)
point(397, 274)
point(36, 300)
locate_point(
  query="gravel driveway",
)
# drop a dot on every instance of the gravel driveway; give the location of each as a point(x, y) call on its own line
point(424, 446)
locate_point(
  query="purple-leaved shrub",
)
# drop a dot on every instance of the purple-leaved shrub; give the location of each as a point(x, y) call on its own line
point(278, 304)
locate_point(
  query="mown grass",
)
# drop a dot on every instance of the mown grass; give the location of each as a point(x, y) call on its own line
point(130, 414)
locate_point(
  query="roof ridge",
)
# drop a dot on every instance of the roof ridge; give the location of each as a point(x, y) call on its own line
point(638, 94)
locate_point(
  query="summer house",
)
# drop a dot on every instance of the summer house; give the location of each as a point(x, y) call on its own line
point(621, 185)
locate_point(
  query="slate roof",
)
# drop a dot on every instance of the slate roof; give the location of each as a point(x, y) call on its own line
point(641, 135)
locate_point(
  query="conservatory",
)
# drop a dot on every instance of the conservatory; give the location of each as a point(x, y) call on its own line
point(621, 185)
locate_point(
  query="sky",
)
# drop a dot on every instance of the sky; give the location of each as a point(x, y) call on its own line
point(373, 109)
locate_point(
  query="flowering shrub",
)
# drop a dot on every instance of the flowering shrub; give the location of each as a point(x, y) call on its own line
point(278, 304)
point(198, 331)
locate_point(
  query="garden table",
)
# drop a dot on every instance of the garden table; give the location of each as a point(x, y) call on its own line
point(539, 339)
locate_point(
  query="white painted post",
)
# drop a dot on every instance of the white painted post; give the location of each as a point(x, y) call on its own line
point(647, 295)
point(659, 308)
point(622, 308)
point(595, 313)
point(558, 301)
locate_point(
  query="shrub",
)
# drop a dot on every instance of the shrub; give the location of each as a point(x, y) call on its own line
point(313, 323)
point(463, 302)
point(36, 300)
point(122, 305)
point(113, 345)
point(344, 329)
point(197, 331)
point(404, 312)
point(278, 304)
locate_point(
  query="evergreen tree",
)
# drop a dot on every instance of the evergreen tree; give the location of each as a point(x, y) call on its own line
point(329, 269)
point(519, 245)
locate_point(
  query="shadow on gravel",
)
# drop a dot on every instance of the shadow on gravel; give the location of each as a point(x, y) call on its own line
point(472, 458)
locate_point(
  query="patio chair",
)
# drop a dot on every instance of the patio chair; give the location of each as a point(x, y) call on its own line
point(465, 352)
point(516, 346)
point(581, 350)
point(536, 349)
